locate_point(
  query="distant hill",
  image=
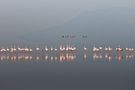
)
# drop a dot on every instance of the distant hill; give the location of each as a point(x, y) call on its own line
point(113, 25)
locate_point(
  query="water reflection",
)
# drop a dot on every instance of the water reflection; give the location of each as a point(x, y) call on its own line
point(14, 57)
point(107, 54)
point(67, 57)
point(66, 53)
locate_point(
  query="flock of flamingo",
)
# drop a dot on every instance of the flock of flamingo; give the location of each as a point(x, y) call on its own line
point(64, 52)
point(67, 47)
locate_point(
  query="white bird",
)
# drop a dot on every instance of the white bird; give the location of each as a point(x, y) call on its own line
point(74, 48)
point(55, 49)
point(37, 49)
point(26, 49)
point(46, 49)
point(85, 48)
point(100, 48)
point(95, 49)
point(119, 49)
point(30, 50)
point(51, 48)
point(3, 50)
point(108, 49)
point(8, 49)
point(67, 48)
point(62, 48)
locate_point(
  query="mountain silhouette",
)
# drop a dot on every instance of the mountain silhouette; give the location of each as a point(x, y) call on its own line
point(113, 25)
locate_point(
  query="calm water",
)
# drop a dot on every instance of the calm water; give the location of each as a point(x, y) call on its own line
point(67, 71)
point(79, 70)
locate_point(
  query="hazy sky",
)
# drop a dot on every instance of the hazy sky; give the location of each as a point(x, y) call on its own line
point(32, 15)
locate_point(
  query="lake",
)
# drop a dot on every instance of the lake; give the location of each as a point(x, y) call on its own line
point(73, 70)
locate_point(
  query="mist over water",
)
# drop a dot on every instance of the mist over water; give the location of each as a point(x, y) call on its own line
point(83, 24)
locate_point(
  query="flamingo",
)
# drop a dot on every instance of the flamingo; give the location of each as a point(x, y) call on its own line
point(62, 48)
point(119, 49)
point(108, 49)
point(37, 49)
point(51, 48)
point(85, 48)
point(3, 49)
point(95, 49)
point(46, 49)
point(55, 49)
